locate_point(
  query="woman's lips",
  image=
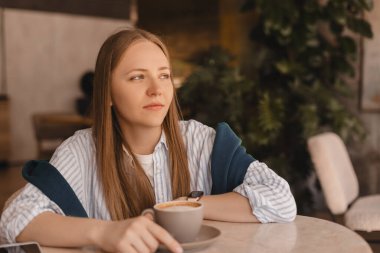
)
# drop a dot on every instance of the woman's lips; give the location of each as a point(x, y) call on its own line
point(154, 107)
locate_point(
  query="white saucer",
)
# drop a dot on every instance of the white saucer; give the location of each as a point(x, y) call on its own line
point(206, 236)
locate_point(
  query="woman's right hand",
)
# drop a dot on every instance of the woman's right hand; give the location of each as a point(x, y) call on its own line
point(139, 234)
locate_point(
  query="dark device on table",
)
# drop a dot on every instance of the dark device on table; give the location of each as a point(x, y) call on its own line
point(27, 247)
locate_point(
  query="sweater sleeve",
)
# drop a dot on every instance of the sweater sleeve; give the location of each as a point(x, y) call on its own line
point(269, 195)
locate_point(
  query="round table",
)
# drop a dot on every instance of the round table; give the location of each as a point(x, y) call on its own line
point(305, 234)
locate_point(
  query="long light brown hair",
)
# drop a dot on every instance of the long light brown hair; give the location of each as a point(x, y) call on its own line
point(126, 187)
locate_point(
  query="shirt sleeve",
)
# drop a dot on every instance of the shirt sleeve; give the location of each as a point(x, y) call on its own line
point(269, 195)
point(29, 203)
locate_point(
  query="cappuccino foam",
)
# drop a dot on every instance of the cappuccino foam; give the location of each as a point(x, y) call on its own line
point(178, 208)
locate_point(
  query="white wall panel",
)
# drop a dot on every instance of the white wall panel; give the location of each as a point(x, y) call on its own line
point(46, 55)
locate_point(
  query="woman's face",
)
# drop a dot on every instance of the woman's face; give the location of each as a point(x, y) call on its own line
point(141, 87)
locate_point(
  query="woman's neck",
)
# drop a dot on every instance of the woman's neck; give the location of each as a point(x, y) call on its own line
point(141, 140)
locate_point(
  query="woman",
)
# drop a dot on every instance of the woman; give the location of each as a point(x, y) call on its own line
point(136, 154)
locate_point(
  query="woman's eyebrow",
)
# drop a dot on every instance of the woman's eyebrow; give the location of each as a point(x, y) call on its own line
point(145, 70)
point(138, 69)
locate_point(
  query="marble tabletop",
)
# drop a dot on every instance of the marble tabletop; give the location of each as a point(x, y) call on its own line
point(305, 234)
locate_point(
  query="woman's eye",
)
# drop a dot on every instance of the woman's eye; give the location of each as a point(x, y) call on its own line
point(164, 76)
point(136, 77)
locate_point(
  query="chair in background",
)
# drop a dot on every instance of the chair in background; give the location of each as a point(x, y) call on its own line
point(341, 189)
point(52, 128)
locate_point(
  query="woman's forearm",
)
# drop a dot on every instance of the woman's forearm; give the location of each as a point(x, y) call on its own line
point(50, 229)
point(230, 206)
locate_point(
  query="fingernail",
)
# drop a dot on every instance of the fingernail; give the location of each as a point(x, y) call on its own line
point(179, 250)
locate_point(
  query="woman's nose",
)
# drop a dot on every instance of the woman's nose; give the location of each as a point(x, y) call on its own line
point(154, 88)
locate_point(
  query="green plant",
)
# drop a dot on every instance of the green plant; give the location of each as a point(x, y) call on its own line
point(295, 88)
point(215, 91)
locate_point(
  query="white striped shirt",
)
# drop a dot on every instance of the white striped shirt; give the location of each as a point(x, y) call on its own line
point(269, 195)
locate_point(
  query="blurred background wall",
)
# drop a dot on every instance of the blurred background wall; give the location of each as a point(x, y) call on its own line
point(46, 54)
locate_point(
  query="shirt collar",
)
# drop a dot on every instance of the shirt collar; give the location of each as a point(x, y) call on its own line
point(161, 142)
